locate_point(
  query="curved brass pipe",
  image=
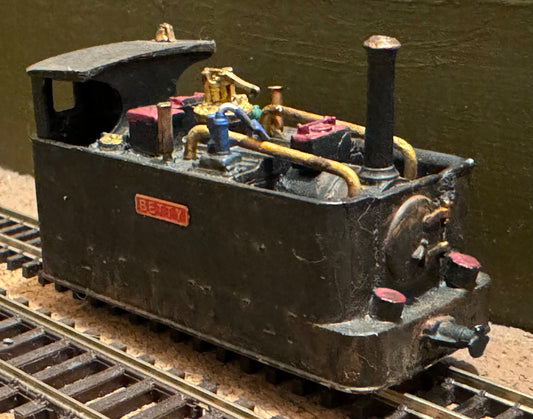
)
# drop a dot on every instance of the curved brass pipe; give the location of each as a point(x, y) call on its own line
point(194, 135)
point(199, 132)
point(409, 157)
point(292, 116)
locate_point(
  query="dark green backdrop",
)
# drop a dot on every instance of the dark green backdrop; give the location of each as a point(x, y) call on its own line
point(464, 86)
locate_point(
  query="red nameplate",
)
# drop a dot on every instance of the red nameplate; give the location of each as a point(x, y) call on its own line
point(162, 210)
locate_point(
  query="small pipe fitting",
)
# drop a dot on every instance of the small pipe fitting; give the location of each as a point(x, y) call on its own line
point(276, 98)
point(276, 95)
point(218, 134)
point(165, 135)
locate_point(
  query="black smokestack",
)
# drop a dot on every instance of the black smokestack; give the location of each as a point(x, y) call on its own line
point(378, 161)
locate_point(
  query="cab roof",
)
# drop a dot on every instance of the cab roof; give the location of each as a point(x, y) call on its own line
point(85, 64)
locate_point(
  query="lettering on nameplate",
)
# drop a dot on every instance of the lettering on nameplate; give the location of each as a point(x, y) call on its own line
point(162, 210)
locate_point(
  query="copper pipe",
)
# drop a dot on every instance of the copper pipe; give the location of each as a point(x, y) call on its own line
point(276, 98)
point(275, 95)
point(201, 132)
point(165, 136)
point(195, 134)
point(292, 117)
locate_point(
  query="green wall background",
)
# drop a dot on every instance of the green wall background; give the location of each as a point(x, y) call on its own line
point(464, 85)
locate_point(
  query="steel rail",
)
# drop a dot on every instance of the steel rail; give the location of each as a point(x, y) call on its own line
point(122, 358)
point(20, 245)
point(417, 406)
point(21, 217)
point(422, 408)
point(491, 390)
point(15, 243)
point(56, 397)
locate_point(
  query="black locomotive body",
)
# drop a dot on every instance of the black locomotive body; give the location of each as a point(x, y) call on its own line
point(282, 258)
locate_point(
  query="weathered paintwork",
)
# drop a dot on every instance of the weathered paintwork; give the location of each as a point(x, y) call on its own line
point(465, 87)
point(254, 238)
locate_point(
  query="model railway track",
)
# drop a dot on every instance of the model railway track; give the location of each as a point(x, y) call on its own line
point(49, 369)
point(34, 339)
point(20, 242)
point(52, 370)
point(455, 393)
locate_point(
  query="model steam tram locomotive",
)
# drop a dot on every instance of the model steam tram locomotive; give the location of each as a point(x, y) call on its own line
point(304, 242)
